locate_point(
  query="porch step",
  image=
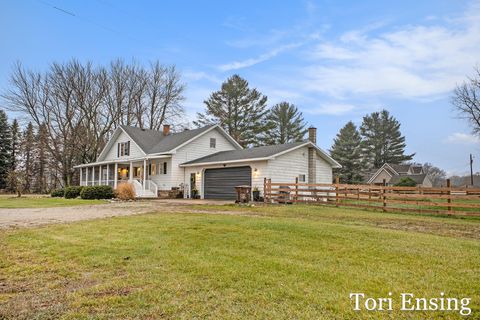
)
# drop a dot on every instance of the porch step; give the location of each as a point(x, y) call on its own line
point(145, 194)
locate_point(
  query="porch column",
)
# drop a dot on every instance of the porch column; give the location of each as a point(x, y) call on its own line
point(130, 172)
point(86, 176)
point(81, 178)
point(144, 172)
point(115, 176)
point(100, 175)
point(93, 175)
point(108, 174)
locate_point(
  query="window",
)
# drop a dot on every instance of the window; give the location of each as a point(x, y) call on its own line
point(123, 149)
point(213, 143)
point(153, 169)
point(301, 178)
point(164, 168)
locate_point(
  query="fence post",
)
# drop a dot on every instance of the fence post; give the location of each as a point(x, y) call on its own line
point(296, 189)
point(384, 196)
point(265, 190)
point(270, 190)
point(449, 200)
point(337, 182)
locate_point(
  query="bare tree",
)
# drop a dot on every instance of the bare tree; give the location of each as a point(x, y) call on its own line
point(466, 99)
point(80, 105)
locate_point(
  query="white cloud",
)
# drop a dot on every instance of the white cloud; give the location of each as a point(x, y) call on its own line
point(253, 61)
point(334, 109)
point(462, 138)
point(412, 61)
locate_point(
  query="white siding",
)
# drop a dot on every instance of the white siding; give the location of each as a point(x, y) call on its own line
point(198, 148)
point(135, 151)
point(285, 168)
point(324, 171)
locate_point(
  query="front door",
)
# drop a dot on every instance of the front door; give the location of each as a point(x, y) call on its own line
point(193, 183)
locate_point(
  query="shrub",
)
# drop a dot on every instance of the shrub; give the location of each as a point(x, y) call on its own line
point(406, 182)
point(58, 193)
point(96, 192)
point(125, 191)
point(73, 192)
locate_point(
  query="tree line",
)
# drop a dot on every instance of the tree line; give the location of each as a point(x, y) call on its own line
point(73, 108)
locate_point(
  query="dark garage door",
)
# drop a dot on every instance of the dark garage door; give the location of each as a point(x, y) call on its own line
point(220, 183)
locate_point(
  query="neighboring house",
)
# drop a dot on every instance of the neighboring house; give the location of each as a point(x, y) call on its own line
point(206, 161)
point(393, 173)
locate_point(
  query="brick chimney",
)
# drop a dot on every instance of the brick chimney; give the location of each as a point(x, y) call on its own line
point(166, 129)
point(312, 134)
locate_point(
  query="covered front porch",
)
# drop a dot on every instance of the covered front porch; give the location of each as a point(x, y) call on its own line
point(138, 172)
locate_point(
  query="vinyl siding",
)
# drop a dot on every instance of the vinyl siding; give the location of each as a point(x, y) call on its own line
point(198, 148)
point(135, 151)
point(287, 167)
point(382, 175)
point(324, 171)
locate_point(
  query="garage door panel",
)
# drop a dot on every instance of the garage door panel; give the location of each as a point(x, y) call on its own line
point(220, 183)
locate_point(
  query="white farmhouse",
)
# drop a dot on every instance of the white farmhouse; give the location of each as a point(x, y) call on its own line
point(205, 161)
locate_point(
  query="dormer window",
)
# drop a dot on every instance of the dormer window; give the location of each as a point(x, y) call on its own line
point(213, 143)
point(123, 149)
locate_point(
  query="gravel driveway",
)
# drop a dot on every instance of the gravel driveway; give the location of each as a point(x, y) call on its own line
point(27, 217)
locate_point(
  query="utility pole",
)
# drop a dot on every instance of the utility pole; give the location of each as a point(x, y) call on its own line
point(471, 169)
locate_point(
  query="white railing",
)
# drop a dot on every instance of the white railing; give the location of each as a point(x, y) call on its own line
point(152, 186)
point(98, 183)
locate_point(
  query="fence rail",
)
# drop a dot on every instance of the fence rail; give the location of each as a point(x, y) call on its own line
point(445, 200)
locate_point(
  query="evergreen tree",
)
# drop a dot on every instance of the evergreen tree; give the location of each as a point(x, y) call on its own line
point(28, 154)
point(238, 109)
point(15, 136)
point(382, 141)
point(285, 124)
point(5, 149)
point(346, 150)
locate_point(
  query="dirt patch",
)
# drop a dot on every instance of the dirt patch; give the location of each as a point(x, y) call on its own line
point(31, 217)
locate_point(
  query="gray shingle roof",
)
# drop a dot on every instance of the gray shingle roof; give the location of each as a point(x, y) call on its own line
point(245, 154)
point(400, 168)
point(153, 141)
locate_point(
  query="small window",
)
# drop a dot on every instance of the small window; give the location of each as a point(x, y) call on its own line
point(123, 149)
point(301, 178)
point(153, 169)
point(164, 168)
point(213, 143)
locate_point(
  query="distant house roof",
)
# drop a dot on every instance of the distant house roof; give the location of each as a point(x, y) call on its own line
point(416, 169)
point(418, 178)
point(257, 153)
point(400, 168)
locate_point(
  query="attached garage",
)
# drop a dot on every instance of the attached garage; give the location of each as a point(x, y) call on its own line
point(220, 183)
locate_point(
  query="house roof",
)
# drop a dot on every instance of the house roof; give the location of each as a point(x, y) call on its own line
point(257, 153)
point(400, 168)
point(417, 169)
point(418, 178)
point(153, 141)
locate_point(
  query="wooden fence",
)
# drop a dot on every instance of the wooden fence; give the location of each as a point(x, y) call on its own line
point(445, 200)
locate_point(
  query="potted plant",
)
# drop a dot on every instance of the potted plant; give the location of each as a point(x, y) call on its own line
point(194, 193)
point(256, 194)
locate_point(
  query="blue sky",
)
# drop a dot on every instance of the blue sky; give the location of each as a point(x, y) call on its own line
point(336, 60)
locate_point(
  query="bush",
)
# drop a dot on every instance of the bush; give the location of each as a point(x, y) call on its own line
point(73, 192)
point(125, 191)
point(97, 192)
point(58, 193)
point(406, 182)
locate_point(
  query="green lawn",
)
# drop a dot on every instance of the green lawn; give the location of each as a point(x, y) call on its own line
point(11, 201)
point(294, 262)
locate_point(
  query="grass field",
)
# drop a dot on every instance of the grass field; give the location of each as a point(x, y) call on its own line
point(11, 201)
point(294, 262)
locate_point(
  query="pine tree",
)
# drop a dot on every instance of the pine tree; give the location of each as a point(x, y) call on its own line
point(5, 149)
point(15, 136)
point(382, 140)
point(238, 109)
point(347, 151)
point(285, 124)
point(27, 152)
